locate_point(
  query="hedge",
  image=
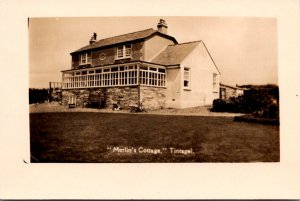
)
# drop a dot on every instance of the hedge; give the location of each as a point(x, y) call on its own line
point(38, 95)
point(261, 101)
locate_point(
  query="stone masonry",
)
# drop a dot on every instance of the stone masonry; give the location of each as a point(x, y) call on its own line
point(153, 97)
point(82, 95)
point(125, 96)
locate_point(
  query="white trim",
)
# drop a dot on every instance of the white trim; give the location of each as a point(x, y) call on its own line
point(189, 78)
point(85, 57)
point(128, 76)
point(173, 66)
point(215, 82)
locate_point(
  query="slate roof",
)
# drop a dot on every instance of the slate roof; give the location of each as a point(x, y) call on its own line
point(175, 54)
point(123, 38)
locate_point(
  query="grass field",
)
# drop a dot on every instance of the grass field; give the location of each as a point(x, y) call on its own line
point(103, 137)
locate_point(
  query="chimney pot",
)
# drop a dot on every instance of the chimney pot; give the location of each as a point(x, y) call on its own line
point(93, 38)
point(162, 26)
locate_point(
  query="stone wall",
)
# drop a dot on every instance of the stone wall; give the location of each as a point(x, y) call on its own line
point(82, 95)
point(153, 97)
point(125, 96)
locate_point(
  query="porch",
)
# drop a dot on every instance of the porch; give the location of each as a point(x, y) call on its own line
point(130, 74)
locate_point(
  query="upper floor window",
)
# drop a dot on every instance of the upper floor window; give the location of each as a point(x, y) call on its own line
point(85, 58)
point(187, 78)
point(215, 81)
point(124, 51)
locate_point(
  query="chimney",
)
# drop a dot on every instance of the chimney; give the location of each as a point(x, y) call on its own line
point(162, 26)
point(93, 38)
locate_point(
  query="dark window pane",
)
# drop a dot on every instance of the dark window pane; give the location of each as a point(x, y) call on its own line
point(114, 69)
point(186, 83)
point(161, 70)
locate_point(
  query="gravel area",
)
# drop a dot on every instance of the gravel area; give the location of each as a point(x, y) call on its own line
point(194, 111)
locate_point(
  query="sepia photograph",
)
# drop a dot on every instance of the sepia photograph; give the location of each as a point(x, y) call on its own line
point(160, 89)
point(150, 100)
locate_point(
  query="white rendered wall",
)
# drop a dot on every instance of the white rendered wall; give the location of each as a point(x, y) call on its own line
point(202, 69)
point(173, 93)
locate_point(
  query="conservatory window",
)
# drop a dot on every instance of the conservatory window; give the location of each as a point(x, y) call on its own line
point(116, 76)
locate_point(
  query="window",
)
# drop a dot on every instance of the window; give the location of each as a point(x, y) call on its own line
point(144, 77)
point(114, 69)
point(152, 76)
point(128, 50)
point(124, 51)
point(187, 78)
point(85, 58)
point(215, 81)
point(120, 52)
point(161, 70)
point(116, 76)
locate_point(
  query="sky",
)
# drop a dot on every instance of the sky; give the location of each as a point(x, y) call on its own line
point(243, 48)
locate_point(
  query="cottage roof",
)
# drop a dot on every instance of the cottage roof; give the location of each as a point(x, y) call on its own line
point(144, 34)
point(175, 54)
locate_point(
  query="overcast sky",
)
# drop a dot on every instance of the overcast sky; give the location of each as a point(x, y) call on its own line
point(244, 49)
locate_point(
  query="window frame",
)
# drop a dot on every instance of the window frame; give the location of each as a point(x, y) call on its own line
point(215, 81)
point(188, 87)
point(87, 57)
point(116, 75)
point(124, 51)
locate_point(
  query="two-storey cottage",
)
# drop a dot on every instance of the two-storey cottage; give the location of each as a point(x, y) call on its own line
point(147, 66)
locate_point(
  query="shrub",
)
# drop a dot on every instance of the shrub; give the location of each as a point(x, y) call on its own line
point(38, 95)
point(262, 101)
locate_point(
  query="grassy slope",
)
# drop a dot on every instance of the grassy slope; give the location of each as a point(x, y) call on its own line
point(84, 137)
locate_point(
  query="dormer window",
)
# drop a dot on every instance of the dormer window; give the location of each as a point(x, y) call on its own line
point(124, 51)
point(85, 58)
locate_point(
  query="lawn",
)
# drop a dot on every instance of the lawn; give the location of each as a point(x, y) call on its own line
point(108, 137)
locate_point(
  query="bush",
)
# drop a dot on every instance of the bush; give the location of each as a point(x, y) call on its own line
point(219, 106)
point(38, 95)
point(261, 101)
